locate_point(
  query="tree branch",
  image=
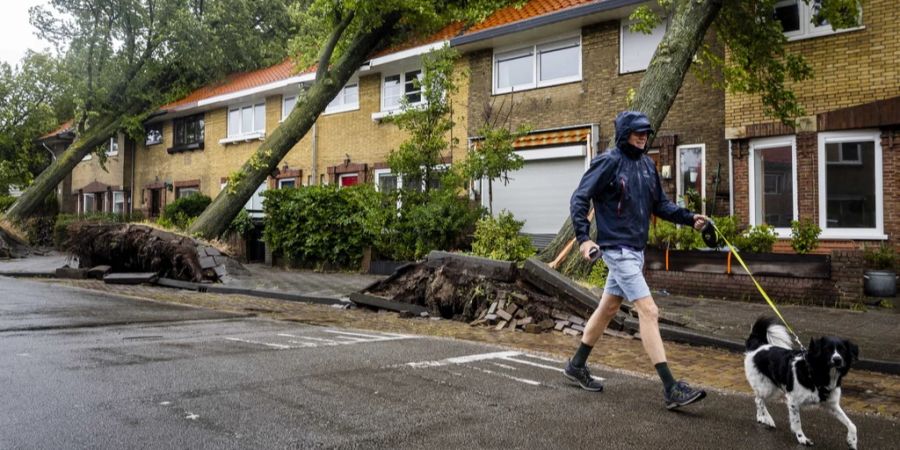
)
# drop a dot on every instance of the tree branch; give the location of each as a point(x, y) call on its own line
point(328, 50)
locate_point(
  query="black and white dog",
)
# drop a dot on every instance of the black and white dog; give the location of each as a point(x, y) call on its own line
point(806, 377)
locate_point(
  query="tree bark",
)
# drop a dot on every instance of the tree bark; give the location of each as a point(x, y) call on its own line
point(214, 221)
point(47, 181)
point(659, 86)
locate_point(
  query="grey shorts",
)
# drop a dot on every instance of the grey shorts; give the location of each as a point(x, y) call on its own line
point(625, 278)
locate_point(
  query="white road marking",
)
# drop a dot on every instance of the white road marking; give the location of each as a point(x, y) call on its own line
point(267, 344)
point(191, 416)
point(521, 380)
point(504, 366)
point(543, 366)
point(165, 403)
point(462, 359)
point(339, 338)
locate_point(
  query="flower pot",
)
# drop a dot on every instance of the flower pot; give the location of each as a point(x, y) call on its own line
point(880, 283)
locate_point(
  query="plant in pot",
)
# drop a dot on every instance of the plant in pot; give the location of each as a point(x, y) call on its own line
point(881, 281)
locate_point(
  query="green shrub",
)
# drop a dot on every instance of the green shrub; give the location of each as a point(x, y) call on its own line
point(441, 220)
point(63, 220)
point(182, 212)
point(881, 257)
point(598, 274)
point(325, 227)
point(804, 236)
point(499, 238)
point(6, 201)
point(242, 223)
point(757, 239)
point(728, 227)
point(666, 234)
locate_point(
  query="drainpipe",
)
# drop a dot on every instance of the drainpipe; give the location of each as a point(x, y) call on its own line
point(315, 154)
point(131, 193)
point(730, 180)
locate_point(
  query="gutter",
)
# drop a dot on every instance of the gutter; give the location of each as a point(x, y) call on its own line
point(539, 21)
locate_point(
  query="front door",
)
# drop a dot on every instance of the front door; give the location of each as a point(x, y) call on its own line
point(155, 202)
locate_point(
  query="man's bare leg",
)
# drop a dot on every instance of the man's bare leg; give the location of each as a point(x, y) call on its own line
point(648, 316)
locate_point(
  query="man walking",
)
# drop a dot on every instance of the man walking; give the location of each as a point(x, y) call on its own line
point(625, 189)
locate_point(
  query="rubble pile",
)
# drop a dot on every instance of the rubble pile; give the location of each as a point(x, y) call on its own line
point(484, 292)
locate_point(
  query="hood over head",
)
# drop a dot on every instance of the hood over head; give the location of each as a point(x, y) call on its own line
point(628, 122)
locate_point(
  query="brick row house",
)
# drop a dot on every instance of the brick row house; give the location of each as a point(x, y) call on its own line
point(566, 67)
point(839, 165)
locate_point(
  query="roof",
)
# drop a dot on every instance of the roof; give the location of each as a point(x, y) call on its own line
point(531, 9)
point(240, 81)
point(64, 127)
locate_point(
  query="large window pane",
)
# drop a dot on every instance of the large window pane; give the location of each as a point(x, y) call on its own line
point(392, 91)
point(773, 171)
point(289, 103)
point(559, 61)
point(412, 87)
point(850, 184)
point(234, 122)
point(691, 168)
point(351, 94)
point(387, 182)
point(788, 13)
point(259, 119)
point(515, 69)
point(637, 48)
point(246, 119)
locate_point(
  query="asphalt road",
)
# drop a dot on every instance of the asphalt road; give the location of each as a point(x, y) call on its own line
point(87, 370)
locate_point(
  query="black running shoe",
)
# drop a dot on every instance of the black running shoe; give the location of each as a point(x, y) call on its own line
point(681, 394)
point(582, 376)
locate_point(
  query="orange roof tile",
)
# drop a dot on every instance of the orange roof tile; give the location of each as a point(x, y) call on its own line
point(531, 9)
point(66, 126)
point(240, 81)
point(549, 138)
point(446, 33)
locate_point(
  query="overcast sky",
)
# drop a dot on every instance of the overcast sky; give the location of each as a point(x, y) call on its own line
point(16, 34)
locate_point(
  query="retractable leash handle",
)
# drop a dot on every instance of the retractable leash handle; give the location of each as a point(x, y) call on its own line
point(744, 265)
point(595, 254)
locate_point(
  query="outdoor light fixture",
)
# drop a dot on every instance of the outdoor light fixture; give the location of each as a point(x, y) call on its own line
point(346, 159)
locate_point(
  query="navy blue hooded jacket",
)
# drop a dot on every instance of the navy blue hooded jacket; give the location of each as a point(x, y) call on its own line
point(624, 186)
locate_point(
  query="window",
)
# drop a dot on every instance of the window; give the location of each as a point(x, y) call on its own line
point(851, 185)
point(773, 200)
point(288, 103)
point(254, 206)
point(636, 48)
point(348, 179)
point(118, 202)
point(154, 134)
point(691, 173)
point(347, 99)
point(287, 183)
point(89, 204)
point(113, 148)
point(542, 64)
point(385, 181)
point(798, 19)
point(396, 87)
point(188, 132)
point(186, 191)
point(247, 120)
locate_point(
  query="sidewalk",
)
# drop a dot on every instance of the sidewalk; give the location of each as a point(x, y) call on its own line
point(875, 331)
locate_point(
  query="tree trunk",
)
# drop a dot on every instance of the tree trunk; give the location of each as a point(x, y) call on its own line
point(659, 86)
point(47, 181)
point(216, 218)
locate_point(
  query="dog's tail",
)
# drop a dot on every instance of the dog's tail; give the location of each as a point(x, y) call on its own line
point(767, 330)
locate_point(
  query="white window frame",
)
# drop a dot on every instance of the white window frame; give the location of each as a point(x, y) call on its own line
point(807, 29)
point(348, 175)
point(284, 111)
point(387, 109)
point(762, 144)
point(382, 172)
point(624, 27)
point(282, 181)
point(876, 233)
point(85, 197)
point(535, 49)
point(180, 191)
point(678, 182)
point(258, 132)
point(121, 195)
point(113, 148)
point(342, 106)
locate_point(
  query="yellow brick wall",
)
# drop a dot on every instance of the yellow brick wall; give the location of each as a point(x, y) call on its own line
point(87, 172)
point(352, 133)
point(850, 68)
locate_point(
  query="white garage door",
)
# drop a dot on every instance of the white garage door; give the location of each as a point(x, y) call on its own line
point(539, 193)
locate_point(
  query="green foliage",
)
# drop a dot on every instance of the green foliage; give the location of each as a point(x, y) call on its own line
point(757, 239)
point(6, 201)
point(728, 227)
point(325, 227)
point(598, 274)
point(804, 236)
point(758, 62)
point(666, 234)
point(242, 223)
point(499, 238)
point(180, 213)
point(692, 200)
point(881, 257)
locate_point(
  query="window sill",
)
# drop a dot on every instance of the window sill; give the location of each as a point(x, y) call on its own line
point(861, 235)
point(531, 87)
point(185, 148)
point(381, 115)
point(260, 135)
point(340, 110)
point(801, 37)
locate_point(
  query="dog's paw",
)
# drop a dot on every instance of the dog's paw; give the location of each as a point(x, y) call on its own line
point(851, 442)
point(765, 420)
point(803, 440)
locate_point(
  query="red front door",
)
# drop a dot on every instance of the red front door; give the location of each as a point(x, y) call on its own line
point(349, 180)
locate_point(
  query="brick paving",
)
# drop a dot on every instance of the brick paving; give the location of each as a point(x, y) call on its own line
point(864, 392)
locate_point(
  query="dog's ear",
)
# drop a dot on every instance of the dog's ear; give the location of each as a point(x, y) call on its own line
point(813, 347)
point(854, 350)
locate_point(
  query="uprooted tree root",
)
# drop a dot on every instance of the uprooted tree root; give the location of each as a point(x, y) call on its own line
point(134, 248)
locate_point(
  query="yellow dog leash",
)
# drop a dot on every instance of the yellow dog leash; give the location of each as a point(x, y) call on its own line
point(758, 286)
